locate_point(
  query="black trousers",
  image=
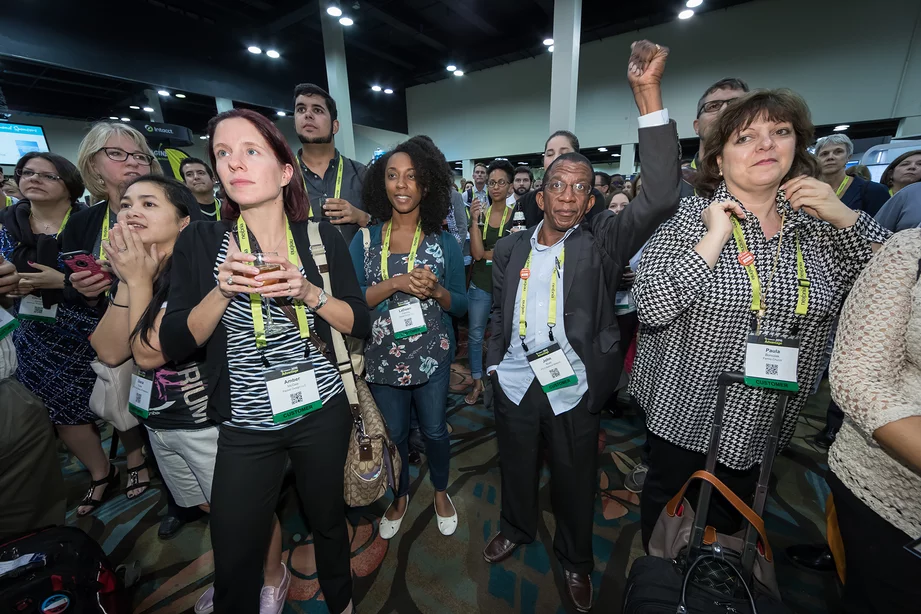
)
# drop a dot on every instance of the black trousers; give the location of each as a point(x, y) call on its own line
point(247, 482)
point(572, 441)
point(670, 466)
point(882, 577)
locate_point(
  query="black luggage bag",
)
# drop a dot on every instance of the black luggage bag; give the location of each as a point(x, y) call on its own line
point(708, 578)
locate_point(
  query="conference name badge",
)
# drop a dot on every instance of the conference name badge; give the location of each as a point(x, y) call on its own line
point(771, 362)
point(7, 323)
point(32, 308)
point(407, 319)
point(552, 368)
point(292, 392)
point(139, 396)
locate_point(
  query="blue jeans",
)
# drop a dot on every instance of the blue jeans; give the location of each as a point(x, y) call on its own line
point(430, 400)
point(479, 303)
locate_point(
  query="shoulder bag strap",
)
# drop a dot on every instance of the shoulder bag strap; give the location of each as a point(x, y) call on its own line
point(343, 361)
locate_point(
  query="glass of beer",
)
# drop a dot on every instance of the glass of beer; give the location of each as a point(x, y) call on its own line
point(271, 328)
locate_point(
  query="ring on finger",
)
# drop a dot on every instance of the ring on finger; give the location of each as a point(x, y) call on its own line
point(289, 286)
point(230, 280)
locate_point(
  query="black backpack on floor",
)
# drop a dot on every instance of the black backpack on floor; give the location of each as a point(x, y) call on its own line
point(56, 570)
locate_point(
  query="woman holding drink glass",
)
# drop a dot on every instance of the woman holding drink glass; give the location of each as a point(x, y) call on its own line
point(271, 385)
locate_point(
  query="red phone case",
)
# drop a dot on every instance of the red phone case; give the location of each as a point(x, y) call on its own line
point(84, 262)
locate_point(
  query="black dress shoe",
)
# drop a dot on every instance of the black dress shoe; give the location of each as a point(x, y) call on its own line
point(579, 589)
point(826, 437)
point(815, 557)
point(498, 549)
point(169, 526)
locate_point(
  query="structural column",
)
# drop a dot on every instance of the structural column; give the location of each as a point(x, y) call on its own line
point(564, 76)
point(627, 159)
point(223, 104)
point(467, 165)
point(337, 76)
point(153, 101)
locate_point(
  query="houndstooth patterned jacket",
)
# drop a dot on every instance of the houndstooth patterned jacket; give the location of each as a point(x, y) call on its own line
point(695, 322)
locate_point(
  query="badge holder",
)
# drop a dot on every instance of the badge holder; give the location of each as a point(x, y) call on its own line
point(407, 318)
point(139, 397)
point(7, 323)
point(32, 308)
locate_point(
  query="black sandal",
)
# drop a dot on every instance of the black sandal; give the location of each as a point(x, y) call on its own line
point(133, 483)
point(110, 482)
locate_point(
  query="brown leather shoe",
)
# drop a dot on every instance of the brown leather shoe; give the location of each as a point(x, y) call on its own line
point(579, 588)
point(498, 549)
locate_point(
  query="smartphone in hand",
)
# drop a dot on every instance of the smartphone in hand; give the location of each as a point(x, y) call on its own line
point(82, 260)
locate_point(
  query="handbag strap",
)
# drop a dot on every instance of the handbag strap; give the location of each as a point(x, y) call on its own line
point(343, 359)
point(753, 518)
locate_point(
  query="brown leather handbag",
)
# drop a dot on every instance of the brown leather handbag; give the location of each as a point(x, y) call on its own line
point(373, 462)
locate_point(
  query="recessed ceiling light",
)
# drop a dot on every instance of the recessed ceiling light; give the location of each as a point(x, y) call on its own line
point(273, 54)
point(451, 67)
point(458, 73)
point(548, 41)
point(693, 4)
point(686, 14)
point(134, 107)
point(550, 48)
point(376, 88)
point(179, 95)
point(388, 91)
point(126, 119)
point(204, 137)
point(602, 149)
point(254, 49)
point(163, 92)
point(148, 109)
point(615, 155)
point(280, 113)
point(842, 127)
point(112, 117)
point(346, 21)
point(334, 11)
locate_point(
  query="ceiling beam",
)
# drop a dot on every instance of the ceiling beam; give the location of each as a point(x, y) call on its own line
point(398, 25)
point(465, 11)
point(282, 22)
point(546, 6)
point(351, 42)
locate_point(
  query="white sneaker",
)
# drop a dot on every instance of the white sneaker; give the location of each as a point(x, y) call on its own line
point(272, 598)
point(447, 524)
point(389, 528)
point(205, 603)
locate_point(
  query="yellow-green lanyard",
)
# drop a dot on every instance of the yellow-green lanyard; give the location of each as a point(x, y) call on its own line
point(255, 300)
point(335, 194)
point(840, 189)
point(523, 306)
point(385, 251)
point(105, 232)
point(501, 224)
point(217, 210)
point(757, 304)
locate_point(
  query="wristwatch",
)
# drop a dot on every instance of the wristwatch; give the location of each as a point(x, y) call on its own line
point(323, 298)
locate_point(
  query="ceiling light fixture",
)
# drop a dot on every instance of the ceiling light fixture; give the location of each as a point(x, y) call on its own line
point(134, 107)
point(458, 73)
point(163, 92)
point(254, 49)
point(615, 155)
point(148, 109)
point(126, 119)
point(693, 4)
point(113, 117)
point(179, 95)
point(550, 48)
point(451, 67)
point(548, 41)
point(602, 149)
point(842, 127)
point(376, 88)
point(204, 137)
point(333, 10)
point(346, 21)
point(388, 91)
point(273, 54)
point(280, 113)
point(686, 14)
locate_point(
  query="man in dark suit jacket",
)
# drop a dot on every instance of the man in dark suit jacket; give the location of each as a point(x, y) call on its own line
point(553, 372)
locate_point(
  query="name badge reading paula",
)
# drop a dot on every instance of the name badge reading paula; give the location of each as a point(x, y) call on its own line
point(407, 319)
point(139, 397)
point(552, 368)
point(771, 362)
point(32, 308)
point(292, 392)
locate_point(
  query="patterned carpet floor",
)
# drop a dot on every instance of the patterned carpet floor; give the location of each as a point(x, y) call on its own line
point(420, 571)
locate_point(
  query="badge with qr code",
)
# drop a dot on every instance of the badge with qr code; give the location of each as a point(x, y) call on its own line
point(771, 362)
point(552, 368)
point(139, 395)
point(292, 392)
point(407, 319)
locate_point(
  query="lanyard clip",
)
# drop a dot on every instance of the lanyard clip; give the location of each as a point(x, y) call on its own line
point(524, 346)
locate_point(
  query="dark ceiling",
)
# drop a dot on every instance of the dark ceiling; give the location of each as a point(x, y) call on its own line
point(54, 53)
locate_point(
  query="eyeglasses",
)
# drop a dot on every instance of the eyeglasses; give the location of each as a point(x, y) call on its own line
point(120, 155)
point(558, 187)
point(493, 183)
point(713, 106)
point(25, 173)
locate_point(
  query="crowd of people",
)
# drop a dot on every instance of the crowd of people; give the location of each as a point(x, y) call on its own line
point(217, 305)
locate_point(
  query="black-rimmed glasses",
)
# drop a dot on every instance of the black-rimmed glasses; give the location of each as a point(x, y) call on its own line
point(25, 173)
point(120, 155)
point(558, 187)
point(713, 106)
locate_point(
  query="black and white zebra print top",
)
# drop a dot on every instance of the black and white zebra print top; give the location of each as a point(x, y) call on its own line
point(249, 398)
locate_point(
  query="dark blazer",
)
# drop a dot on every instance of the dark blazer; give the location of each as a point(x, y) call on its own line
point(863, 195)
point(596, 253)
point(193, 278)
